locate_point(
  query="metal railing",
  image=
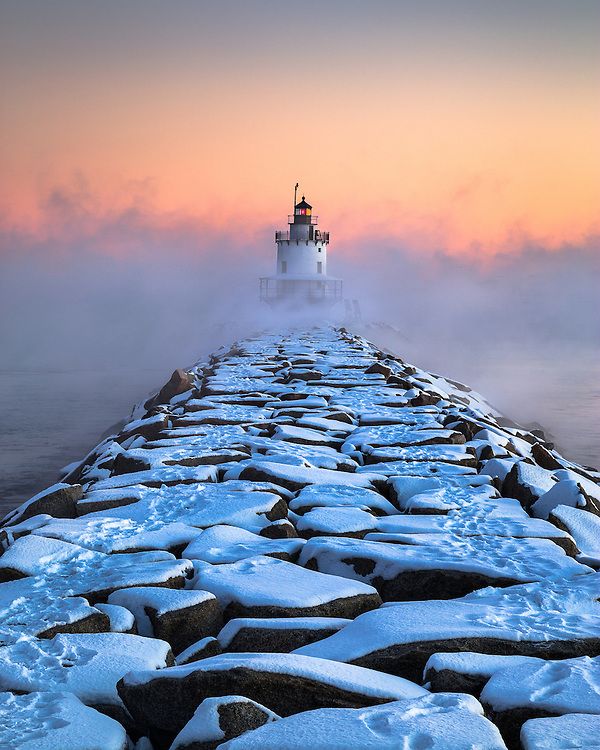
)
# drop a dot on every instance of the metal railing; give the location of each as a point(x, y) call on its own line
point(317, 236)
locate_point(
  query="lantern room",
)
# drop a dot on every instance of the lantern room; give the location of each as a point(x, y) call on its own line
point(302, 212)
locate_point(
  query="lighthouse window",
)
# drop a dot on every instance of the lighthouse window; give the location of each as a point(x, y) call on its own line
point(319, 267)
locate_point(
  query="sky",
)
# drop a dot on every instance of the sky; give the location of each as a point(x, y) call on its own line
point(463, 126)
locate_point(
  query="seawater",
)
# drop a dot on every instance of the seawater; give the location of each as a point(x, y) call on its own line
point(51, 418)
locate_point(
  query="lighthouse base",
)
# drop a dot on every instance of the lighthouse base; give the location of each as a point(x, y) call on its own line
point(275, 290)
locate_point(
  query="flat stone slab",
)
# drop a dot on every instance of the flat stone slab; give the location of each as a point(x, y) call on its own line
point(338, 496)
point(286, 683)
point(577, 731)
point(252, 588)
point(536, 689)
point(439, 566)
point(228, 544)
point(554, 619)
point(436, 722)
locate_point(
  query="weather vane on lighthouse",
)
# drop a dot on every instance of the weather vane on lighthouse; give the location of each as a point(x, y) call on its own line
point(301, 271)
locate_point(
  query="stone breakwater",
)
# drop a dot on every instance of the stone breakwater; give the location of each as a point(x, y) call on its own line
point(306, 543)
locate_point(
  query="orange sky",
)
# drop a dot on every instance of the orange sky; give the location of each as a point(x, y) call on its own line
point(443, 127)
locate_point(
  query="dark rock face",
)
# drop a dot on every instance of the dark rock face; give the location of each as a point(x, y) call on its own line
point(449, 681)
point(346, 607)
point(166, 703)
point(261, 639)
point(179, 382)
point(183, 627)
point(60, 503)
point(408, 660)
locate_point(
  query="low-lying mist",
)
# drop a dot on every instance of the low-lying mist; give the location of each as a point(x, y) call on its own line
point(122, 292)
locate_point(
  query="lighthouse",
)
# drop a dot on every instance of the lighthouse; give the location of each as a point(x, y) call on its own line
point(301, 270)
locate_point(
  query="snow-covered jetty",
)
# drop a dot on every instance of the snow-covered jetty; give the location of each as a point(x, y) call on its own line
point(306, 543)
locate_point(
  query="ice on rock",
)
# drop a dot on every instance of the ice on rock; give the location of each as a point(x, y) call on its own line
point(52, 720)
point(435, 722)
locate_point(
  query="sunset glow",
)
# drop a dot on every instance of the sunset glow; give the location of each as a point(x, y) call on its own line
point(464, 127)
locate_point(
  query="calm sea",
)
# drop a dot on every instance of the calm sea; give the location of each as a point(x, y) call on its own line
point(49, 419)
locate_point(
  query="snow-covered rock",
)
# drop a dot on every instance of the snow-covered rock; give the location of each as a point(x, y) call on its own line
point(178, 617)
point(219, 719)
point(286, 683)
point(253, 588)
point(52, 720)
point(436, 722)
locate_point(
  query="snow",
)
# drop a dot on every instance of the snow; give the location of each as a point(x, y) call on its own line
point(422, 468)
point(256, 582)
point(558, 687)
point(521, 560)
point(566, 493)
point(577, 731)
point(228, 544)
point(336, 521)
point(121, 619)
point(328, 495)
point(158, 598)
point(400, 435)
point(199, 506)
point(296, 477)
point(443, 721)
point(453, 454)
point(538, 612)
point(366, 682)
point(86, 664)
point(53, 720)
point(162, 475)
point(584, 527)
point(204, 725)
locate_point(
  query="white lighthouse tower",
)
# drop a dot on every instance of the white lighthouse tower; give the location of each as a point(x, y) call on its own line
point(301, 272)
